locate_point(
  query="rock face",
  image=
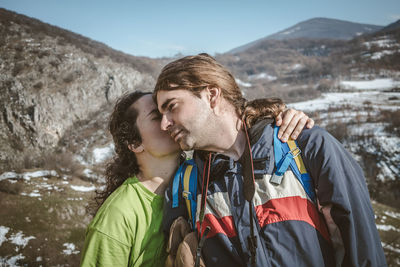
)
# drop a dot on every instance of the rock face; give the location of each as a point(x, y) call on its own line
point(49, 81)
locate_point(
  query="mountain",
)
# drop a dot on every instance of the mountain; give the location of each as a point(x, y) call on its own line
point(316, 28)
point(51, 80)
point(392, 26)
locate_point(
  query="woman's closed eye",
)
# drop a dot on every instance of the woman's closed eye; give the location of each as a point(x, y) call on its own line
point(156, 116)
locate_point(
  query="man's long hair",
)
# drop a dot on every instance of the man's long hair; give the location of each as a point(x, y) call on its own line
point(195, 73)
point(124, 131)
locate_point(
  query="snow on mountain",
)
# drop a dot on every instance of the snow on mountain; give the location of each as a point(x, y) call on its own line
point(358, 107)
point(262, 75)
point(242, 83)
point(383, 42)
point(83, 188)
point(100, 154)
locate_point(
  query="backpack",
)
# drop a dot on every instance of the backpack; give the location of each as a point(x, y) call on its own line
point(286, 155)
point(186, 178)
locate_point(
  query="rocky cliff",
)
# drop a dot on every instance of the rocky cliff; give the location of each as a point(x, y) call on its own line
point(50, 79)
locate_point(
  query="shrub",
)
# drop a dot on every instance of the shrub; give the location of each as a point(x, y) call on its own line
point(70, 77)
point(393, 120)
point(325, 85)
point(11, 188)
point(339, 130)
point(43, 53)
point(38, 85)
point(18, 68)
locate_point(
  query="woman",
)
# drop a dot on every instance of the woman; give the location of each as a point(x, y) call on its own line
point(126, 230)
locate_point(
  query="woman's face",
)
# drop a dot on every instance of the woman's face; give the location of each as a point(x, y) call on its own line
point(155, 141)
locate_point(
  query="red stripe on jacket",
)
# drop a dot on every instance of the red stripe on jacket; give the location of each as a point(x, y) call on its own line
point(292, 208)
point(222, 225)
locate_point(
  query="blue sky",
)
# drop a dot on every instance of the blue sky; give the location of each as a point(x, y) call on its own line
point(167, 27)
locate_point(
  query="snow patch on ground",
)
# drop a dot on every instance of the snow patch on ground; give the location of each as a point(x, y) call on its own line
point(19, 239)
point(241, 83)
point(11, 261)
point(297, 66)
point(81, 188)
point(392, 214)
point(28, 175)
point(385, 227)
point(371, 85)
point(102, 153)
point(391, 248)
point(380, 54)
point(81, 160)
point(89, 173)
point(262, 75)
point(3, 231)
point(364, 101)
point(382, 43)
point(34, 194)
point(367, 99)
point(69, 249)
point(8, 175)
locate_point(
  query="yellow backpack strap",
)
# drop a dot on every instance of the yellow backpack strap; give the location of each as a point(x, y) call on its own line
point(189, 192)
point(299, 161)
point(186, 189)
point(289, 154)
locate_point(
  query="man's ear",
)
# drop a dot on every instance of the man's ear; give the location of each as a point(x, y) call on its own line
point(214, 95)
point(136, 148)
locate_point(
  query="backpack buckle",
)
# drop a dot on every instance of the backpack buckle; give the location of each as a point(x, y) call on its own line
point(187, 195)
point(276, 179)
point(295, 152)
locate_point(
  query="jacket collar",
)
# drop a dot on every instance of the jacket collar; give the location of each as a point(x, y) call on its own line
point(220, 164)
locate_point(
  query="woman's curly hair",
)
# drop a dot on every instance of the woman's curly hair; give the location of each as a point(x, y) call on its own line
point(124, 131)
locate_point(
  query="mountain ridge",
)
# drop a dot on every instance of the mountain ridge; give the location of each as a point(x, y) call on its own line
point(316, 28)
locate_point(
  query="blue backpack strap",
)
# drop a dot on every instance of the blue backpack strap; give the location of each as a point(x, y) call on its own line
point(186, 179)
point(282, 159)
point(175, 186)
point(286, 156)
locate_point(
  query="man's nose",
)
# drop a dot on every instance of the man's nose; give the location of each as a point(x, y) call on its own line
point(165, 123)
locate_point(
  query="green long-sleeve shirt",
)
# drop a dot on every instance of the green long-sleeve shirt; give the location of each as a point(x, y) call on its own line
point(126, 230)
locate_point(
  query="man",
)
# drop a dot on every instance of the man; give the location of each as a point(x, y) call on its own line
point(279, 224)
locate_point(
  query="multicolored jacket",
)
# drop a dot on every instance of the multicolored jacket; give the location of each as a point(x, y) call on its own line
point(291, 230)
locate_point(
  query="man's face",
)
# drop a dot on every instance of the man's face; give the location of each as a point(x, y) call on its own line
point(155, 141)
point(185, 116)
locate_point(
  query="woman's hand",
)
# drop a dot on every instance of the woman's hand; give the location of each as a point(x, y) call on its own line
point(291, 123)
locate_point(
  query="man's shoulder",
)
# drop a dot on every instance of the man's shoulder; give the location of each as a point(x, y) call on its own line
point(263, 128)
point(317, 136)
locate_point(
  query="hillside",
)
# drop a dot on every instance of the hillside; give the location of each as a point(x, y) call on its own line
point(299, 69)
point(316, 28)
point(52, 79)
